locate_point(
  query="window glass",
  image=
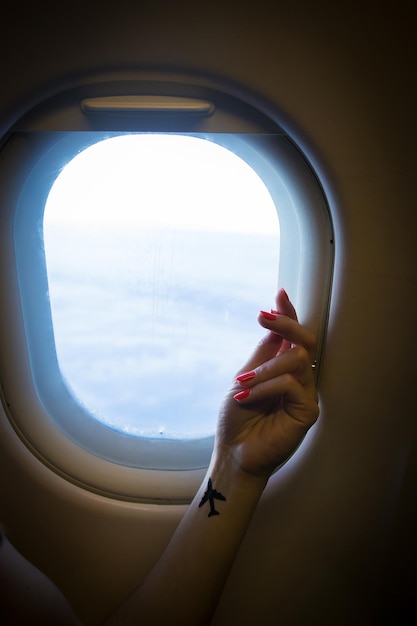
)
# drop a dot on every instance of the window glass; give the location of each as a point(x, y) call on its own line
point(159, 251)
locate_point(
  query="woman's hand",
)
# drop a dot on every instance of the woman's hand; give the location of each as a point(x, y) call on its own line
point(273, 401)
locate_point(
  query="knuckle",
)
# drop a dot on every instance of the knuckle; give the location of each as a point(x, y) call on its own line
point(302, 356)
point(287, 380)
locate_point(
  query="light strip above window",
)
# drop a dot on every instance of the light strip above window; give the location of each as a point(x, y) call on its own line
point(148, 104)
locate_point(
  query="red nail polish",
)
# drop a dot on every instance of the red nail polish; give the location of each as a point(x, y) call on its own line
point(246, 376)
point(269, 316)
point(241, 395)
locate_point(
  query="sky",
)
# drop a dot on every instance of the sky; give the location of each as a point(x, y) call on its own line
point(152, 180)
point(160, 253)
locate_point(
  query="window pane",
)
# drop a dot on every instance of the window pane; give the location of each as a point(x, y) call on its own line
point(160, 250)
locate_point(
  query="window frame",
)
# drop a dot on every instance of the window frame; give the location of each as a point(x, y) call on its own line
point(30, 160)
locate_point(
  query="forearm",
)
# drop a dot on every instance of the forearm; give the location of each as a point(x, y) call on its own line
point(186, 583)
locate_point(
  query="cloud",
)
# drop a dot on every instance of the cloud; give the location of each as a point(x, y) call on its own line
point(150, 329)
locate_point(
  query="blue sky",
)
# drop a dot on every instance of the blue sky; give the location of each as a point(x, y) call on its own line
point(153, 315)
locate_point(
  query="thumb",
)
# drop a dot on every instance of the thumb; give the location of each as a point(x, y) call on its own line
point(284, 305)
point(271, 343)
point(267, 348)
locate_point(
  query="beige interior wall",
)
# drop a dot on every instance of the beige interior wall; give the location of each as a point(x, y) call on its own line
point(333, 537)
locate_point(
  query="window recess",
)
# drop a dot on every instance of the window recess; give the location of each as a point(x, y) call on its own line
point(58, 426)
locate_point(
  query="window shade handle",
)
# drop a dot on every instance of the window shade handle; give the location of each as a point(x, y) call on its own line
point(163, 105)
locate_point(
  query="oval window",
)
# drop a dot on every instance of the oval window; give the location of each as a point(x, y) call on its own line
point(159, 249)
point(139, 238)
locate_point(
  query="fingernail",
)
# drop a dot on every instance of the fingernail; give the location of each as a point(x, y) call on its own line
point(246, 376)
point(241, 395)
point(285, 293)
point(269, 316)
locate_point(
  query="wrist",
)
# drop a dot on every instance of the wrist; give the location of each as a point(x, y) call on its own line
point(225, 472)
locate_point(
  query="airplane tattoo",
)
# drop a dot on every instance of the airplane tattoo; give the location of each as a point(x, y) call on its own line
point(209, 496)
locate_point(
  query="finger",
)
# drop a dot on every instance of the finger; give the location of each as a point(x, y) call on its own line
point(296, 362)
point(289, 329)
point(285, 307)
point(284, 304)
point(267, 348)
point(274, 342)
point(297, 402)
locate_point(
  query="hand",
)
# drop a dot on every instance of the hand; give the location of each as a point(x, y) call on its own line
point(273, 401)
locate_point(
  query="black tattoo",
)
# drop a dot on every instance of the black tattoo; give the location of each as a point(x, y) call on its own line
point(209, 496)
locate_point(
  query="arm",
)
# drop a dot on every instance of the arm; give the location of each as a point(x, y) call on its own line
point(269, 407)
point(266, 413)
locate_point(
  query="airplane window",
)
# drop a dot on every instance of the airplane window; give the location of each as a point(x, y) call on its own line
point(144, 222)
point(159, 250)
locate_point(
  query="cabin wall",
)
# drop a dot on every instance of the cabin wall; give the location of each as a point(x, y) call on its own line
point(332, 540)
